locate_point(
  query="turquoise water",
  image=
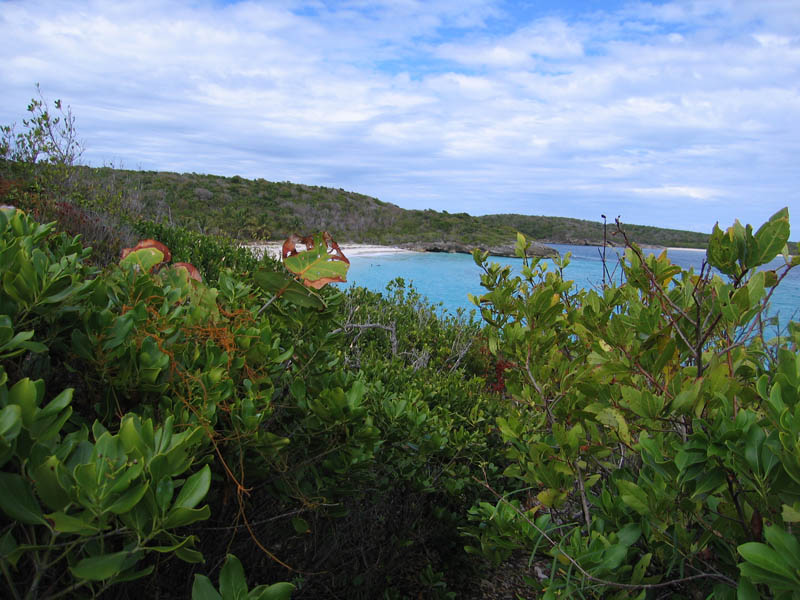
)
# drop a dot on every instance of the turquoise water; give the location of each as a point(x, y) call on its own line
point(448, 278)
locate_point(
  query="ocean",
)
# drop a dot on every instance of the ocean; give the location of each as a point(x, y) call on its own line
point(446, 279)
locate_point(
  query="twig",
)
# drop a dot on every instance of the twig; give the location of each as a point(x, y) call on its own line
point(584, 500)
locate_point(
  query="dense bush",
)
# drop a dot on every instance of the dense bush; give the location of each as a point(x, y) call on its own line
point(194, 412)
point(653, 431)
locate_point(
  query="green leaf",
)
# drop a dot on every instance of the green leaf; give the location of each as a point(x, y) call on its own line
point(276, 591)
point(232, 582)
point(722, 252)
point(613, 557)
point(300, 525)
point(164, 491)
point(194, 489)
point(288, 288)
point(684, 401)
point(710, 482)
point(179, 517)
point(746, 590)
point(10, 423)
point(129, 499)
point(641, 568)
point(629, 534)
point(770, 239)
point(633, 496)
point(764, 557)
point(790, 514)
point(47, 485)
point(27, 395)
point(316, 266)
point(143, 260)
point(611, 417)
point(98, 568)
point(188, 555)
point(785, 543)
point(79, 524)
point(17, 500)
point(203, 589)
point(551, 497)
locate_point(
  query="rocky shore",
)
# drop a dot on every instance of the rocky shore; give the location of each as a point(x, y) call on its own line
point(536, 249)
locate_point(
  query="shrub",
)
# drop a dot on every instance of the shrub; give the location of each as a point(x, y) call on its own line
point(652, 436)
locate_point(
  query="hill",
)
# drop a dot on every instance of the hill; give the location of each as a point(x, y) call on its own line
point(250, 210)
point(259, 209)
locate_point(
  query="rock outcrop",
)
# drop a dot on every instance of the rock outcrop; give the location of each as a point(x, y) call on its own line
point(535, 249)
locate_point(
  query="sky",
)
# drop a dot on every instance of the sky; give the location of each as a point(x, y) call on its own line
point(675, 114)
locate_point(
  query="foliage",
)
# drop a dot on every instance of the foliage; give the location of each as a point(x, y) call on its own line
point(258, 210)
point(47, 147)
point(210, 254)
point(265, 417)
point(233, 586)
point(651, 431)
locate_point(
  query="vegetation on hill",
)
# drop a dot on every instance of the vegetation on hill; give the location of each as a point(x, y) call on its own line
point(561, 230)
point(160, 434)
point(260, 210)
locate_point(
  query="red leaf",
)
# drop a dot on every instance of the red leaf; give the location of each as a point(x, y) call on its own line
point(290, 246)
point(190, 268)
point(332, 252)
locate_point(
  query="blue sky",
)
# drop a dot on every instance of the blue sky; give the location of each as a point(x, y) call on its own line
point(675, 114)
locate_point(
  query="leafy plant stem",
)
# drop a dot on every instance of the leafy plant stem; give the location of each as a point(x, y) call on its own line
point(266, 305)
point(589, 576)
point(41, 567)
point(9, 580)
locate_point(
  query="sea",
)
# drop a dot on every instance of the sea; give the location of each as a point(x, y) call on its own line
point(447, 279)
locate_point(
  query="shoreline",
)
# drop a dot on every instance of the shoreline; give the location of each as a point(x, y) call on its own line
point(273, 249)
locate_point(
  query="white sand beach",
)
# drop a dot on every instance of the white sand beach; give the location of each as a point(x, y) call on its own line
point(688, 249)
point(349, 250)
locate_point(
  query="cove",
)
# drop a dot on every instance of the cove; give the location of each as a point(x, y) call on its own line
point(446, 279)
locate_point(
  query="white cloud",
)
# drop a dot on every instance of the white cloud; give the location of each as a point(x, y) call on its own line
point(679, 113)
point(679, 191)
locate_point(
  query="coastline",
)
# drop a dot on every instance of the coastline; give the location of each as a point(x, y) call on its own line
point(273, 249)
point(687, 249)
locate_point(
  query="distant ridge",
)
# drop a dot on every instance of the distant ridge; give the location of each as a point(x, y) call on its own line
point(261, 210)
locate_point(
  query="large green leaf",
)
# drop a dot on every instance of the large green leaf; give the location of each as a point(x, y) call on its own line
point(770, 239)
point(98, 568)
point(80, 524)
point(288, 288)
point(47, 486)
point(320, 264)
point(129, 499)
point(17, 500)
point(765, 558)
point(178, 517)
point(277, 591)
point(203, 589)
point(10, 423)
point(785, 543)
point(194, 489)
point(232, 582)
point(143, 259)
point(722, 252)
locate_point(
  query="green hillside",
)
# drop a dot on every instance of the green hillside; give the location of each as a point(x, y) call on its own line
point(561, 230)
point(260, 209)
